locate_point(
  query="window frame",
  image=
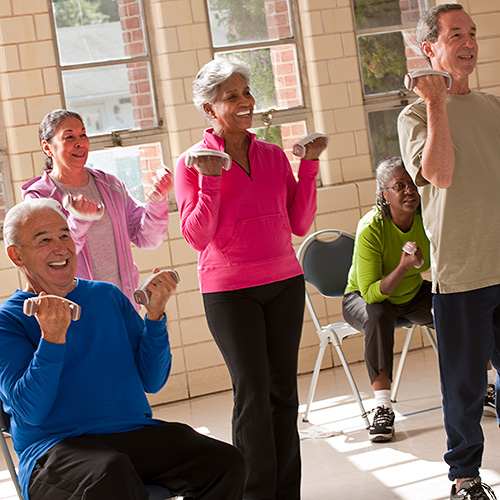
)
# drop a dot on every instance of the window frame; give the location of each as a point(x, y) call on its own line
point(302, 112)
point(386, 100)
point(124, 137)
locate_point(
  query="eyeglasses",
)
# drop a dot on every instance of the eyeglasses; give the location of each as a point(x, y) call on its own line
point(402, 186)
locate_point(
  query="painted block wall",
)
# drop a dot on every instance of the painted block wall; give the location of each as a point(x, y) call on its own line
point(180, 43)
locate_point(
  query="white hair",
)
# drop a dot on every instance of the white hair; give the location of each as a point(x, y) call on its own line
point(17, 215)
point(211, 76)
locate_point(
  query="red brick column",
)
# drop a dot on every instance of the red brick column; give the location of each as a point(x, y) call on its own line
point(410, 13)
point(138, 73)
point(286, 82)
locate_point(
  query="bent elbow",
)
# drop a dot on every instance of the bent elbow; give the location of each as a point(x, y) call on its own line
point(441, 182)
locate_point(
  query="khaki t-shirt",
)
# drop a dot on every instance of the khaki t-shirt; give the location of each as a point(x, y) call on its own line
point(463, 221)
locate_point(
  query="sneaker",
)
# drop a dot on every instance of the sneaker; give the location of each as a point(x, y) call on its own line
point(472, 490)
point(489, 409)
point(382, 428)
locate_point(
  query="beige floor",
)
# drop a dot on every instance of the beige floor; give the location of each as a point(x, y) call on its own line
point(347, 465)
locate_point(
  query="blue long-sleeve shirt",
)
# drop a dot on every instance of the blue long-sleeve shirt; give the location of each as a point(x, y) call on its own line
point(95, 383)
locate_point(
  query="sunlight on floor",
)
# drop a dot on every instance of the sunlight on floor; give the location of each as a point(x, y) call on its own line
point(339, 461)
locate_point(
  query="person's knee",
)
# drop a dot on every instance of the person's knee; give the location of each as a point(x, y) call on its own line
point(118, 480)
point(232, 464)
point(379, 320)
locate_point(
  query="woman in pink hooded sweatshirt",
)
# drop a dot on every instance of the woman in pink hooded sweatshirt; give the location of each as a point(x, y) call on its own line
point(241, 222)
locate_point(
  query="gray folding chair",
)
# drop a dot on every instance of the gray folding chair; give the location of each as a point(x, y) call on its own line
point(155, 492)
point(326, 258)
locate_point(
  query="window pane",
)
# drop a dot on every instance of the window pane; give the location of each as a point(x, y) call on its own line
point(111, 98)
point(98, 30)
point(371, 14)
point(234, 22)
point(384, 134)
point(383, 62)
point(275, 81)
point(376, 13)
point(285, 136)
point(134, 165)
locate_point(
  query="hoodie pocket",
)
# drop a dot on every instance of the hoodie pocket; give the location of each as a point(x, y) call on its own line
point(259, 239)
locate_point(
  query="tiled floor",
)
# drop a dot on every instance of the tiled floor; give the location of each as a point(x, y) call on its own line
point(347, 465)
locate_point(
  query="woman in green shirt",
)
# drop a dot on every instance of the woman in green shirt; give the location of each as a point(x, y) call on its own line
point(385, 282)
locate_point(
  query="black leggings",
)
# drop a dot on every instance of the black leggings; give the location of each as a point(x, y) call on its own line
point(116, 466)
point(258, 331)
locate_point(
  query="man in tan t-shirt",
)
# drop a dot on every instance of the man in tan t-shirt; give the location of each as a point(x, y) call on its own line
point(450, 145)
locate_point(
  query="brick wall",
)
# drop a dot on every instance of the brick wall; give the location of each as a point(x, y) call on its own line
point(138, 73)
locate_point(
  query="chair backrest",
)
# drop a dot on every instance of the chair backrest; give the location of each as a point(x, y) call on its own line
point(4, 419)
point(326, 261)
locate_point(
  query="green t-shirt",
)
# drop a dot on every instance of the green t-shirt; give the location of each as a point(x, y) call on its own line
point(377, 252)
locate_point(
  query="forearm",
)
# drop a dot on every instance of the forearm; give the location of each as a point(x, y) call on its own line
point(389, 283)
point(199, 203)
point(438, 157)
point(302, 208)
point(153, 225)
point(154, 357)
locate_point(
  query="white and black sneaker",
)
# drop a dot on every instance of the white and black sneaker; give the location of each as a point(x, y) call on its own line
point(473, 489)
point(489, 409)
point(382, 428)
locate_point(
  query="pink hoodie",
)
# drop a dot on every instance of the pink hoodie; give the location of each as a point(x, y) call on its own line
point(241, 223)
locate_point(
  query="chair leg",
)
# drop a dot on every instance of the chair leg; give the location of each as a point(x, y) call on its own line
point(10, 465)
point(312, 388)
point(354, 387)
point(402, 361)
point(432, 338)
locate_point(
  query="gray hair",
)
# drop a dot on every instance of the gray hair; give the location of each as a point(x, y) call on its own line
point(50, 125)
point(385, 174)
point(211, 76)
point(17, 215)
point(428, 28)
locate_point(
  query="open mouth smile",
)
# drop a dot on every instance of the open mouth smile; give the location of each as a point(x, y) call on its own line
point(59, 264)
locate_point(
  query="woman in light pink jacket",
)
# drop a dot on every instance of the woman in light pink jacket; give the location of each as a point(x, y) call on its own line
point(103, 245)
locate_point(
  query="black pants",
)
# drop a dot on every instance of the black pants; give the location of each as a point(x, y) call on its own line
point(377, 322)
point(468, 335)
point(258, 331)
point(116, 466)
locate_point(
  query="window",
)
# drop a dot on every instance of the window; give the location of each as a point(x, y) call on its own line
point(134, 165)
point(261, 34)
point(105, 65)
point(106, 76)
point(387, 50)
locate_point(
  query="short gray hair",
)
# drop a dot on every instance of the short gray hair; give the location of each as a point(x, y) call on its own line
point(385, 174)
point(428, 28)
point(211, 76)
point(17, 215)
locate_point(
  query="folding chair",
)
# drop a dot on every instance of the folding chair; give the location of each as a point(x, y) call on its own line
point(155, 492)
point(326, 263)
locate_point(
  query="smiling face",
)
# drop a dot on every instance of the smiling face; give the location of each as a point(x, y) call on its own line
point(232, 110)
point(69, 147)
point(402, 202)
point(47, 254)
point(455, 50)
